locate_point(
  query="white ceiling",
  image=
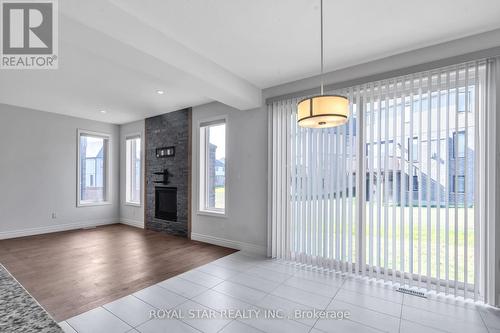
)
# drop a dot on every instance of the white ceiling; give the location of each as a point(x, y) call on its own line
point(114, 54)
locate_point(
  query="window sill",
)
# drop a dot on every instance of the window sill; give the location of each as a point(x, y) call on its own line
point(133, 204)
point(212, 214)
point(91, 204)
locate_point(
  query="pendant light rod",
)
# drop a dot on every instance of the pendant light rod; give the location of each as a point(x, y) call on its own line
point(322, 111)
point(322, 52)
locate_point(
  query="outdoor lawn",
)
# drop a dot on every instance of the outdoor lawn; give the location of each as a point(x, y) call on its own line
point(219, 197)
point(420, 235)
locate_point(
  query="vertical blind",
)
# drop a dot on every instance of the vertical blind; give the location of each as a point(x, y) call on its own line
point(396, 193)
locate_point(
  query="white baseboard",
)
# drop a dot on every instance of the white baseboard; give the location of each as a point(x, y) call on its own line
point(229, 243)
point(132, 223)
point(56, 228)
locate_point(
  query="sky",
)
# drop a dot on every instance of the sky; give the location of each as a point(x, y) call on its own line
point(217, 136)
point(94, 145)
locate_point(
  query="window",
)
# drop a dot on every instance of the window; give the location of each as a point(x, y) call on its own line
point(93, 166)
point(133, 170)
point(409, 184)
point(414, 148)
point(434, 147)
point(461, 99)
point(459, 144)
point(458, 184)
point(213, 167)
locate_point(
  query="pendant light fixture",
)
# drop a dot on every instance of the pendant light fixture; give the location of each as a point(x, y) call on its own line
point(322, 110)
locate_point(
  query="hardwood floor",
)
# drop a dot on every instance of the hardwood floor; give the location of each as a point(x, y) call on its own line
point(74, 271)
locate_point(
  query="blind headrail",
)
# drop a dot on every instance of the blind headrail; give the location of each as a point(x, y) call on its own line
point(425, 67)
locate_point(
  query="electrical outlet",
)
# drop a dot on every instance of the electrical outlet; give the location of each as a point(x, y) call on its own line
point(54, 215)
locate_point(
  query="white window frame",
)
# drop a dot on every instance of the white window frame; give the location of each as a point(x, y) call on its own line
point(107, 168)
point(202, 172)
point(133, 136)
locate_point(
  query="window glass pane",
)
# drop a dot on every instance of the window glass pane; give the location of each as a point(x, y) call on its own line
point(459, 144)
point(461, 184)
point(216, 166)
point(213, 167)
point(461, 99)
point(133, 170)
point(92, 168)
point(434, 146)
point(472, 98)
point(414, 148)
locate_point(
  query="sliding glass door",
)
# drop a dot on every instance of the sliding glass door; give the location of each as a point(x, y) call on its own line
point(421, 186)
point(395, 193)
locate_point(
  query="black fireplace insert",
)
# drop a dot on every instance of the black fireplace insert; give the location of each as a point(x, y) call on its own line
point(166, 203)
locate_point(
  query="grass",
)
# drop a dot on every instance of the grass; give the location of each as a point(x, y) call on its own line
point(220, 197)
point(426, 239)
point(416, 239)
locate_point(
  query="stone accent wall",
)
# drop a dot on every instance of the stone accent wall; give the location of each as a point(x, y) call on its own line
point(170, 129)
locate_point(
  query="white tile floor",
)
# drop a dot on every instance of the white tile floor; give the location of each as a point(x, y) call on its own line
point(247, 282)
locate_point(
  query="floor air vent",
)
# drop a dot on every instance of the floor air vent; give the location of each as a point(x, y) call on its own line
point(411, 292)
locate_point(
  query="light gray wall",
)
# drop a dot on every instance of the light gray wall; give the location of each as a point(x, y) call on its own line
point(129, 214)
point(38, 173)
point(246, 179)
